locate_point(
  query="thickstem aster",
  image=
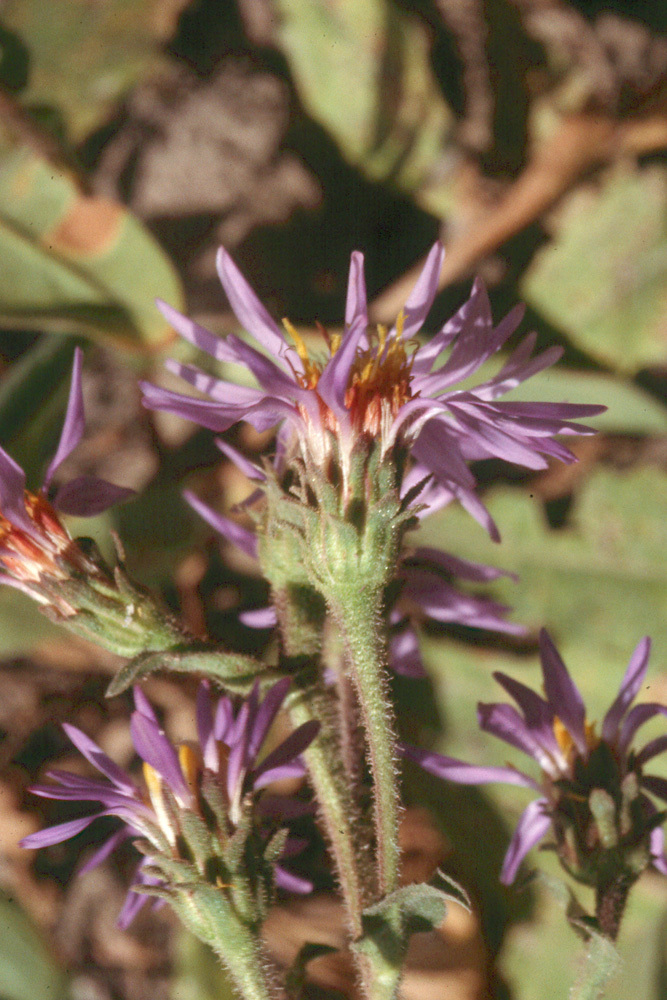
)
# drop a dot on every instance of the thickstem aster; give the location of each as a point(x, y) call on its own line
point(594, 796)
point(379, 385)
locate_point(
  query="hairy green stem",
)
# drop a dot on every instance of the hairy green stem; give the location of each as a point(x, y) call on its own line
point(214, 919)
point(600, 963)
point(337, 808)
point(358, 618)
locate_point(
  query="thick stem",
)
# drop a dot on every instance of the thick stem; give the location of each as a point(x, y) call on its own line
point(610, 901)
point(337, 808)
point(216, 921)
point(358, 617)
point(600, 963)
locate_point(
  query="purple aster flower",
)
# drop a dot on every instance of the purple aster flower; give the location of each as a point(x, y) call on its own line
point(33, 542)
point(426, 590)
point(221, 779)
point(592, 788)
point(380, 385)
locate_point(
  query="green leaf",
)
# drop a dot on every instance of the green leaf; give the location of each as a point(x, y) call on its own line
point(421, 907)
point(33, 397)
point(603, 279)
point(232, 670)
point(295, 980)
point(22, 626)
point(27, 968)
point(393, 122)
point(599, 583)
point(74, 263)
point(114, 43)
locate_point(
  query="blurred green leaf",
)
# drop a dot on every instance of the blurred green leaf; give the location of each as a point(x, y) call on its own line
point(198, 974)
point(27, 968)
point(629, 408)
point(363, 71)
point(85, 56)
point(14, 61)
point(22, 626)
point(33, 396)
point(77, 264)
point(599, 583)
point(603, 279)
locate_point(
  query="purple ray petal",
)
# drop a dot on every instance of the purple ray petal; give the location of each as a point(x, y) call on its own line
point(656, 785)
point(220, 390)
point(271, 378)
point(505, 722)
point(532, 826)
point(635, 718)
point(333, 381)
point(196, 334)
point(657, 841)
point(223, 721)
point(143, 705)
point(153, 746)
point(104, 850)
point(259, 617)
point(97, 757)
point(73, 426)
point(404, 654)
point(450, 769)
point(262, 414)
point(278, 763)
point(12, 494)
point(290, 882)
point(424, 292)
point(205, 728)
point(57, 834)
point(233, 532)
point(562, 694)
point(87, 496)
point(242, 463)
point(356, 308)
point(135, 900)
point(238, 739)
point(537, 712)
point(630, 685)
point(266, 714)
point(652, 749)
point(477, 572)
point(250, 312)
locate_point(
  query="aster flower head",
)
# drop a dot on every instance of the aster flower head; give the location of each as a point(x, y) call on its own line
point(593, 794)
point(202, 814)
point(379, 386)
point(34, 544)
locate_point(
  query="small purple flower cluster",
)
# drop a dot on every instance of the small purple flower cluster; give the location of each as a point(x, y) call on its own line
point(553, 731)
point(230, 740)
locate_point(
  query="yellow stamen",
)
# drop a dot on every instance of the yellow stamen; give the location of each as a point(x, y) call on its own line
point(301, 348)
point(190, 765)
point(565, 741)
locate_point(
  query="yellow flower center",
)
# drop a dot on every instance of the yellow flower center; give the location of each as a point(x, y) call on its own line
point(565, 741)
point(379, 379)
